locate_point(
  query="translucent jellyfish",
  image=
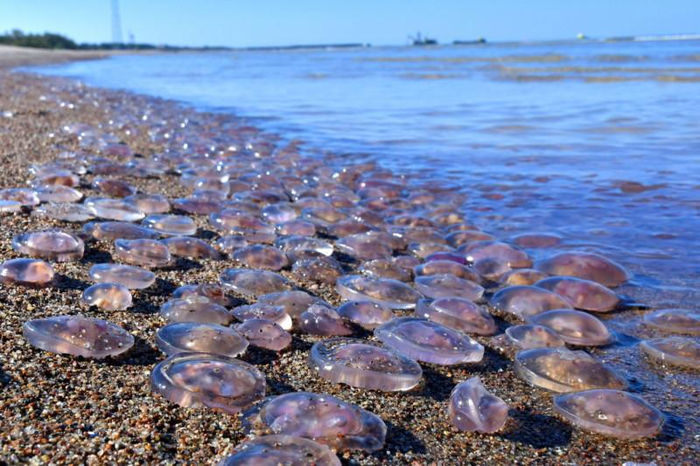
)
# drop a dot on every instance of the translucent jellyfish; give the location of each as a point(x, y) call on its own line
point(501, 252)
point(133, 278)
point(445, 256)
point(458, 313)
point(363, 365)
point(583, 294)
point(196, 206)
point(424, 250)
point(347, 228)
point(171, 225)
point(319, 417)
point(613, 413)
point(530, 336)
point(462, 237)
point(491, 269)
point(108, 296)
point(197, 337)
point(473, 408)
point(63, 212)
point(265, 333)
point(58, 177)
point(25, 197)
point(58, 194)
point(113, 209)
point(675, 320)
point(229, 244)
point(32, 272)
point(424, 340)
point(443, 267)
point(143, 252)
point(324, 270)
point(563, 370)
point(537, 240)
point(253, 282)
point(575, 327)
point(385, 268)
point(275, 450)
point(677, 351)
point(229, 221)
point(261, 257)
point(192, 248)
point(293, 302)
point(365, 246)
point(57, 245)
point(77, 335)
point(113, 188)
point(585, 265)
point(279, 213)
point(321, 319)
point(260, 310)
point(447, 285)
point(149, 203)
point(208, 380)
point(297, 227)
point(195, 309)
point(366, 314)
point(389, 293)
point(212, 292)
point(304, 243)
point(526, 301)
point(522, 277)
point(110, 231)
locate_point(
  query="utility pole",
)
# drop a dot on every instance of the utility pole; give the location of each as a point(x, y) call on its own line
point(116, 23)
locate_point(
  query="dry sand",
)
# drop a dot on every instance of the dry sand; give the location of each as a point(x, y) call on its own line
point(11, 56)
point(65, 410)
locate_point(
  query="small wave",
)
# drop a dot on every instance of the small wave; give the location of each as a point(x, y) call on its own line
point(431, 76)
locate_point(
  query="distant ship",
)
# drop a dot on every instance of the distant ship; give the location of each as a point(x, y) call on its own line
point(421, 41)
point(478, 41)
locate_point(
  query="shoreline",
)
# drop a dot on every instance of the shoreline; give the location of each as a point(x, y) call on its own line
point(64, 409)
point(13, 57)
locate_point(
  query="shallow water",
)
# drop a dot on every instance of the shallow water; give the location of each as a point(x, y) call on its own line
point(543, 137)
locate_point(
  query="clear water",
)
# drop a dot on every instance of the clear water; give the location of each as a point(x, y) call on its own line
point(540, 135)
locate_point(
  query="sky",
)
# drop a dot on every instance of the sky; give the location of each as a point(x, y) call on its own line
point(240, 23)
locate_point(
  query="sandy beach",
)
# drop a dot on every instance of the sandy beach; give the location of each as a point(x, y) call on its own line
point(57, 409)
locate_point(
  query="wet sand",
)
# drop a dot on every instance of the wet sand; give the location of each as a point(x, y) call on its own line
point(64, 410)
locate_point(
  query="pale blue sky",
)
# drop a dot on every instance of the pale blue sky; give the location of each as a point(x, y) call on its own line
point(278, 22)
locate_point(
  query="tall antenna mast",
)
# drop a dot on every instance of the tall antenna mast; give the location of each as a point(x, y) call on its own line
point(116, 23)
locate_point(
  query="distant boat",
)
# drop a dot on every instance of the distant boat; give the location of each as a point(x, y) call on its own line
point(478, 41)
point(421, 41)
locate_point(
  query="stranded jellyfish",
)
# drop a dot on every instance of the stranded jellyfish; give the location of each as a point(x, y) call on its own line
point(195, 309)
point(526, 301)
point(212, 292)
point(385, 291)
point(323, 270)
point(442, 267)
point(675, 320)
point(253, 282)
point(360, 364)
point(385, 268)
point(265, 333)
point(304, 243)
point(366, 246)
point(195, 337)
point(51, 244)
point(113, 187)
point(77, 335)
point(584, 265)
point(293, 302)
point(473, 408)
point(424, 340)
point(521, 277)
point(610, 412)
point(229, 244)
point(366, 314)
point(536, 240)
point(143, 252)
point(203, 379)
point(192, 248)
point(319, 417)
point(113, 209)
point(275, 450)
point(133, 278)
point(149, 203)
point(522, 337)
point(447, 285)
point(259, 310)
point(59, 194)
point(563, 370)
point(108, 296)
point(32, 272)
point(458, 313)
point(677, 351)
point(321, 319)
point(171, 225)
point(575, 327)
point(495, 250)
point(63, 212)
point(110, 231)
point(583, 294)
point(261, 257)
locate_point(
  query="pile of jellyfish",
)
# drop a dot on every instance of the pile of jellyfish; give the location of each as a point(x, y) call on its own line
point(416, 282)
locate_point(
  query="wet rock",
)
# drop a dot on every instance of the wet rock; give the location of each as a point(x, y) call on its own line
point(143, 252)
point(50, 244)
point(359, 364)
point(107, 296)
point(428, 341)
point(473, 408)
point(584, 265)
point(575, 327)
point(389, 293)
point(613, 413)
point(458, 313)
point(77, 335)
point(197, 337)
point(208, 380)
point(31, 272)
